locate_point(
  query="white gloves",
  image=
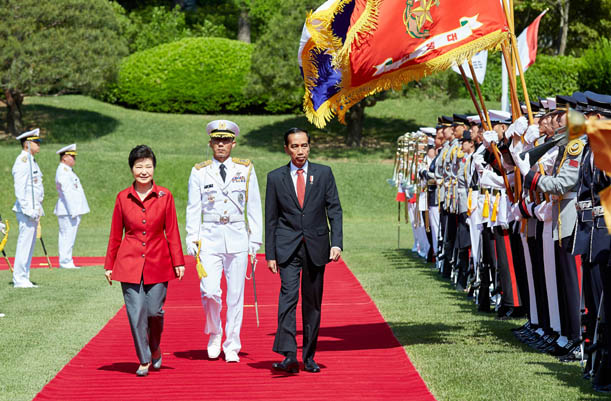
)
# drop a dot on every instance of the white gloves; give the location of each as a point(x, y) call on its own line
point(520, 125)
point(490, 137)
point(515, 212)
point(253, 247)
point(523, 164)
point(33, 214)
point(2, 228)
point(191, 248)
point(532, 134)
point(544, 211)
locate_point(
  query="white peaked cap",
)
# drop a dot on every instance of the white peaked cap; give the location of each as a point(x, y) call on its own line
point(29, 134)
point(67, 149)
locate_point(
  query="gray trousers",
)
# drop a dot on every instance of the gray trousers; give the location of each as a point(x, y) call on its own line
point(144, 305)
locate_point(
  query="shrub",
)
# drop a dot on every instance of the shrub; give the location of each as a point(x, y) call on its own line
point(200, 75)
point(548, 76)
point(595, 71)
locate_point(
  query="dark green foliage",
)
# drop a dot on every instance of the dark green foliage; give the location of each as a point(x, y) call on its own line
point(200, 75)
point(275, 71)
point(595, 71)
point(548, 76)
point(58, 46)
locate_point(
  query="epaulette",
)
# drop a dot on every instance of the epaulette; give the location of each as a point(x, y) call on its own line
point(575, 147)
point(203, 164)
point(244, 162)
point(24, 159)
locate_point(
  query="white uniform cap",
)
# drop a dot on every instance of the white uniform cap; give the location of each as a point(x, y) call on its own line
point(499, 115)
point(544, 103)
point(431, 141)
point(30, 135)
point(222, 129)
point(474, 119)
point(70, 149)
point(428, 130)
point(551, 103)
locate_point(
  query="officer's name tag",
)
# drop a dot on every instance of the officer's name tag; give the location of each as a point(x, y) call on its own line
point(240, 178)
point(208, 186)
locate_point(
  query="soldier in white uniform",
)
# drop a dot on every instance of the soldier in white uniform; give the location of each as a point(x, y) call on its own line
point(28, 206)
point(224, 213)
point(71, 204)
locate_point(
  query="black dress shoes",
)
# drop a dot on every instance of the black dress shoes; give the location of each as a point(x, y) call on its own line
point(310, 366)
point(289, 364)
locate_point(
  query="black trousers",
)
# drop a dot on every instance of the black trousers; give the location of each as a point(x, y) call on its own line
point(535, 247)
point(486, 269)
point(519, 264)
point(449, 237)
point(569, 299)
point(510, 295)
point(298, 268)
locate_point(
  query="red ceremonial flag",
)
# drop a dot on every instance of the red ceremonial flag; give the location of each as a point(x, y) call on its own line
point(392, 42)
point(527, 43)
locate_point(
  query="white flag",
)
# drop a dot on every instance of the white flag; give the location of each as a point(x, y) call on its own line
point(479, 65)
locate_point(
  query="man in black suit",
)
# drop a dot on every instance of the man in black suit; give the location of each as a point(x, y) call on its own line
point(300, 198)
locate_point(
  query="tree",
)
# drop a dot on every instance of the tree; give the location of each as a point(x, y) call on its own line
point(355, 118)
point(275, 72)
point(55, 46)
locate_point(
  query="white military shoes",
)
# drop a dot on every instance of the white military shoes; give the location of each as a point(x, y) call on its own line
point(214, 345)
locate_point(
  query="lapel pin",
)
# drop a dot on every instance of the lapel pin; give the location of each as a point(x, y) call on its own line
point(311, 179)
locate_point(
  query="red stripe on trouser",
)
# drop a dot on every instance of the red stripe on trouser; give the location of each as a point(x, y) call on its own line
point(578, 267)
point(512, 270)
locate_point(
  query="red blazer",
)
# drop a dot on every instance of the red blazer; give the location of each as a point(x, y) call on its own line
point(151, 247)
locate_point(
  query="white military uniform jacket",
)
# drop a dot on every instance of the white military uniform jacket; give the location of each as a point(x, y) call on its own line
point(215, 209)
point(23, 182)
point(72, 201)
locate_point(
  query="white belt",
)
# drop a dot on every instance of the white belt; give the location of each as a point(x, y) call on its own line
point(217, 218)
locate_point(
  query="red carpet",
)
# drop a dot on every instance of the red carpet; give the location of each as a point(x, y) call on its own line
point(358, 354)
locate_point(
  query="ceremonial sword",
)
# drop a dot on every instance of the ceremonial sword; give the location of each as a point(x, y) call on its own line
point(253, 262)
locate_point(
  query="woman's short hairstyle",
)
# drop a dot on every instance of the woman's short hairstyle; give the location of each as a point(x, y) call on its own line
point(141, 152)
point(294, 131)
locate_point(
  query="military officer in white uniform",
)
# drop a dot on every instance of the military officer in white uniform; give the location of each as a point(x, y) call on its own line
point(224, 213)
point(28, 206)
point(71, 204)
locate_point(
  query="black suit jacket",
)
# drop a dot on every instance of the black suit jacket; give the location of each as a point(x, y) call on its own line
point(287, 224)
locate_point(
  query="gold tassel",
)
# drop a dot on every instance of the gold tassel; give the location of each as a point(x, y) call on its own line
point(495, 208)
point(486, 208)
point(201, 272)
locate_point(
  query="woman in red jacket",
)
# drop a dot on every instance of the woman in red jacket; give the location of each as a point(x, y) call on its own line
point(147, 256)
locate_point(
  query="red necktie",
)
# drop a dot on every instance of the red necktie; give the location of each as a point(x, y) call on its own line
point(300, 186)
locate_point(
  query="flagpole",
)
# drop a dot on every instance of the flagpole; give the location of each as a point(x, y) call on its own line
point(464, 78)
point(515, 103)
point(493, 146)
point(514, 48)
point(479, 94)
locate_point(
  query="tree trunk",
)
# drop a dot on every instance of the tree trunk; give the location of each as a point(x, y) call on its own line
point(354, 119)
point(14, 116)
point(563, 7)
point(244, 26)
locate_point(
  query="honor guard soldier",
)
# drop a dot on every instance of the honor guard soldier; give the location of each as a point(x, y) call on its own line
point(224, 226)
point(71, 204)
point(28, 206)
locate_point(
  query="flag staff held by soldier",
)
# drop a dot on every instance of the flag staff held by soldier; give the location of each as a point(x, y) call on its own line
point(224, 226)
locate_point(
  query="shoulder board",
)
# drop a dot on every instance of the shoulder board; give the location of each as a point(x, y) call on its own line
point(575, 147)
point(24, 159)
point(201, 165)
point(244, 162)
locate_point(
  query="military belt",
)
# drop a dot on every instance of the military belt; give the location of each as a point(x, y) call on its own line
point(223, 219)
point(584, 205)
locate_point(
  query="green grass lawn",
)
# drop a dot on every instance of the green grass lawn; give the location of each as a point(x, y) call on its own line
point(462, 355)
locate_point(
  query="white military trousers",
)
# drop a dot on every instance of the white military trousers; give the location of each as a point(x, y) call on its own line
point(434, 224)
point(25, 248)
point(234, 266)
point(68, 227)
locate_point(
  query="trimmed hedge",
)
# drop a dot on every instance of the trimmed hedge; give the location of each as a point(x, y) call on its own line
point(199, 75)
point(548, 76)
